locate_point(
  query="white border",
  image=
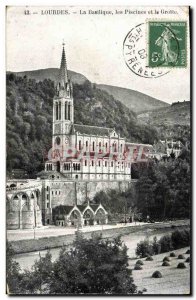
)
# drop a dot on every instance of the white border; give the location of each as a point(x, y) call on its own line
point(4, 3)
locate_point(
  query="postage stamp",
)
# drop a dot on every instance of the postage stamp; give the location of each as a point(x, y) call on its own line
point(167, 44)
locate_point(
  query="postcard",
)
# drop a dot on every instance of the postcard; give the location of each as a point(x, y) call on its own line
point(98, 183)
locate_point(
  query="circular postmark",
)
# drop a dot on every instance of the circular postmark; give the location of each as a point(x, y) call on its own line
point(136, 56)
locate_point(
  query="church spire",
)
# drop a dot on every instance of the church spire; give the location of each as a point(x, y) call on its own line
point(63, 74)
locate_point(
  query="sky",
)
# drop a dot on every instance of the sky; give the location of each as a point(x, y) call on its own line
point(93, 44)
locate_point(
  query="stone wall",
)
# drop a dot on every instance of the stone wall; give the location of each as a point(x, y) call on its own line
point(70, 192)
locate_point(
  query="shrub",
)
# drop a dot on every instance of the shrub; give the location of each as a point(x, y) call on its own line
point(172, 254)
point(149, 258)
point(157, 274)
point(139, 262)
point(166, 243)
point(181, 256)
point(180, 238)
point(165, 264)
point(144, 248)
point(188, 251)
point(181, 266)
point(156, 246)
point(188, 259)
point(166, 258)
point(138, 267)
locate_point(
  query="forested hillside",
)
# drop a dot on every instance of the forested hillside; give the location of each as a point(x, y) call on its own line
point(29, 119)
point(172, 122)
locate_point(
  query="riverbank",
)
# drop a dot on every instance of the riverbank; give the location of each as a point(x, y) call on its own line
point(67, 237)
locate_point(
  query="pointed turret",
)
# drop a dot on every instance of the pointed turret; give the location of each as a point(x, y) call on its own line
point(63, 83)
point(63, 76)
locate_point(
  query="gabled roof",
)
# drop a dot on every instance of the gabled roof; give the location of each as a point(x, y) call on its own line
point(92, 130)
point(81, 207)
point(94, 206)
point(66, 209)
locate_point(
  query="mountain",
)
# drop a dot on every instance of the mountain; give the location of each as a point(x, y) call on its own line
point(177, 113)
point(136, 101)
point(52, 74)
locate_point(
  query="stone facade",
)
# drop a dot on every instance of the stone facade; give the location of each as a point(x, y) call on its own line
point(43, 195)
point(24, 205)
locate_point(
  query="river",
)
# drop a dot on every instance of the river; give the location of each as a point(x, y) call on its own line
point(26, 260)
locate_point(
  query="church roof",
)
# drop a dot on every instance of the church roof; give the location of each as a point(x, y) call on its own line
point(92, 130)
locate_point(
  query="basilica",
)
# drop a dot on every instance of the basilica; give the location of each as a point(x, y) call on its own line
point(83, 152)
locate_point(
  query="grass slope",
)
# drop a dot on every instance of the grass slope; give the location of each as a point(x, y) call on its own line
point(177, 113)
point(134, 100)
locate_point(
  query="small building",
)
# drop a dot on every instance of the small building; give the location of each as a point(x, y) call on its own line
point(79, 215)
point(164, 148)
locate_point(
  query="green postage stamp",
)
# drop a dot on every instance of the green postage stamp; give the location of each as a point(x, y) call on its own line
point(167, 44)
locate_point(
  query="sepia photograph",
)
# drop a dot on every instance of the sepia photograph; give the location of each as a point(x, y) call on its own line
point(98, 150)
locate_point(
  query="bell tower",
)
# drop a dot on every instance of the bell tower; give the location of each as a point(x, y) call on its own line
point(63, 108)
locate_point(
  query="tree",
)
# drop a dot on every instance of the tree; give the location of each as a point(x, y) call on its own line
point(13, 275)
point(91, 266)
point(38, 279)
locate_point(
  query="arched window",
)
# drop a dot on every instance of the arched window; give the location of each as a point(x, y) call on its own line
point(105, 163)
point(80, 145)
point(93, 146)
point(57, 111)
point(69, 111)
point(65, 110)
point(92, 163)
point(12, 185)
point(58, 140)
point(121, 148)
point(106, 146)
point(86, 145)
point(114, 147)
point(85, 163)
point(99, 146)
